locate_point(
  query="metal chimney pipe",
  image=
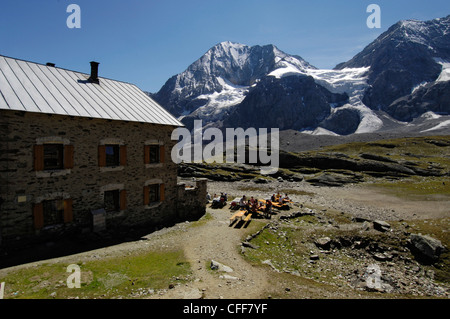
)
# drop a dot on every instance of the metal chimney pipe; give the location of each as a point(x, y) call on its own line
point(94, 72)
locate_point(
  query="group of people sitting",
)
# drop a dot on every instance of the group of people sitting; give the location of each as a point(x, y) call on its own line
point(279, 198)
point(217, 200)
point(250, 204)
point(254, 204)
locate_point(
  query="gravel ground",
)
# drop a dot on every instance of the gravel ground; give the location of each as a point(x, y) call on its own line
point(215, 240)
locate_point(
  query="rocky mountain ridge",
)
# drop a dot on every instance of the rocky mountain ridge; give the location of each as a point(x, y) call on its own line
point(397, 78)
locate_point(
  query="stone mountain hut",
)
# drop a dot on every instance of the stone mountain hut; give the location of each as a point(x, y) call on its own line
point(82, 153)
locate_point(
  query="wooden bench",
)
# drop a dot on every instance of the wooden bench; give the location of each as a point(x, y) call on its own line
point(237, 215)
point(248, 217)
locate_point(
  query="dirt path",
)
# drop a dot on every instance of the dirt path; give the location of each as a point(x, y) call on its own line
point(215, 240)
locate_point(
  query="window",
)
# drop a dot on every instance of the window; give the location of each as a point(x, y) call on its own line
point(112, 155)
point(153, 193)
point(154, 154)
point(52, 212)
point(53, 156)
point(115, 200)
point(112, 201)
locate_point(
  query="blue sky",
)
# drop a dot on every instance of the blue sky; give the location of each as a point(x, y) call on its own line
point(146, 42)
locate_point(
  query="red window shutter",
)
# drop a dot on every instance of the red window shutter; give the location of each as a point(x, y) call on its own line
point(123, 199)
point(146, 154)
point(123, 155)
point(146, 195)
point(38, 215)
point(161, 192)
point(68, 210)
point(39, 157)
point(102, 155)
point(161, 154)
point(68, 156)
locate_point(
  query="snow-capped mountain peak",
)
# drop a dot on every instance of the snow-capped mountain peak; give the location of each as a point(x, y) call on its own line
point(221, 78)
point(394, 80)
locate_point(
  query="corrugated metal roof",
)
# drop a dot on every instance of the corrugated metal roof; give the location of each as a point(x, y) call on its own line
point(32, 87)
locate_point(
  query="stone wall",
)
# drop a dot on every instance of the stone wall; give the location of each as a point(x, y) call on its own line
point(191, 203)
point(21, 186)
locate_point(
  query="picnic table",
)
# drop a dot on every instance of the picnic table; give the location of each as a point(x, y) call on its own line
point(238, 215)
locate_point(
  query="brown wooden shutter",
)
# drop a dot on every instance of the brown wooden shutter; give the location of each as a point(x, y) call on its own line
point(68, 210)
point(38, 215)
point(146, 154)
point(123, 199)
point(123, 155)
point(102, 155)
point(161, 154)
point(161, 192)
point(39, 157)
point(68, 156)
point(146, 195)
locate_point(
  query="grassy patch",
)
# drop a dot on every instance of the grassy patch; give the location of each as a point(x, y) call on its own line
point(105, 278)
point(274, 246)
point(415, 147)
point(202, 221)
point(289, 245)
point(416, 187)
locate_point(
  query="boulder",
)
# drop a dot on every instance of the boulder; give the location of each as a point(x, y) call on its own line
point(381, 225)
point(249, 245)
point(260, 180)
point(324, 243)
point(333, 180)
point(228, 277)
point(382, 256)
point(427, 247)
point(220, 267)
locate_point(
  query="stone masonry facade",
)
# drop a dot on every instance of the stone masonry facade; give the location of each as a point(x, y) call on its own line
point(148, 193)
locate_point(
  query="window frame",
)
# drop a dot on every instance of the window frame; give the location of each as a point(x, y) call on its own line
point(158, 198)
point(156, 158)
point(115, 199)
point(56, 207)
point(159, 150)
point(121, 204)
point(59, 149)
point(154, 189)
point(121, 154)
point(65, 157)
point(39, 214)
point(115, 161)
